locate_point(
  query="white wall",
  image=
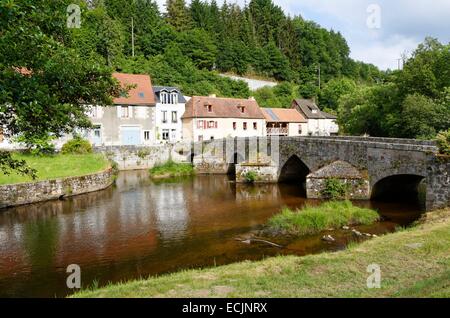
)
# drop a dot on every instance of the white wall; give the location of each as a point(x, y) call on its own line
point(294, 129)
point(224, 128)
point(160, 126)
point(322, 127)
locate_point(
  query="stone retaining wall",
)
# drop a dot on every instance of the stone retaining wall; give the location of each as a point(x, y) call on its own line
point(26, 193)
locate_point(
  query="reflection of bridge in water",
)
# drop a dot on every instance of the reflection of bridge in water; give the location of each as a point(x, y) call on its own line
point(376, 167)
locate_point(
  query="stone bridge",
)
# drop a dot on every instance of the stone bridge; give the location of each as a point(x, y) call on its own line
point(368, 167)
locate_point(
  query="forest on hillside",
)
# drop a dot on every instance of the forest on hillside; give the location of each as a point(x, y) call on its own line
point(182, 46)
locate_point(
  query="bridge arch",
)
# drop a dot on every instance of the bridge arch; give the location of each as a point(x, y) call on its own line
point(294, 170)
point(400, 187)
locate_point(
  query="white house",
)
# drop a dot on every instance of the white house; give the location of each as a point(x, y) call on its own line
point(285, 122)
point(208, 118)
point(170, 106)
point(131, 120)
point(319, 123)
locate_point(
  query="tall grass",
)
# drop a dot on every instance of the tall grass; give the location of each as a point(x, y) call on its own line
point(170, 169)
point(312, 220)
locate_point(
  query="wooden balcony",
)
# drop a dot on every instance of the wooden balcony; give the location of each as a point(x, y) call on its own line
point(275, 131)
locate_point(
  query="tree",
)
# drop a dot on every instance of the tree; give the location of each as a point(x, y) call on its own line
point(333, 90)
point(44, 85)
point(177, 15)
point(198, 45)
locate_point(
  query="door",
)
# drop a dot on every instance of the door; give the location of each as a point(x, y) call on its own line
point(131, 135)
point(97, 135)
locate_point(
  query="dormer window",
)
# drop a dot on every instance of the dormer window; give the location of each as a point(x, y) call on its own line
point(241, 108)
point(208, 107)
point(168, 98)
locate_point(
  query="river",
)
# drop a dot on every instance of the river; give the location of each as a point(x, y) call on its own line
point(139, 228)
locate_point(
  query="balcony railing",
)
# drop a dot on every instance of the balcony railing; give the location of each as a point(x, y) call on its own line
point(277, 131)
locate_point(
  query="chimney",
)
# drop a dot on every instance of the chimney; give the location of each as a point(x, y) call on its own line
point(251, 98)
point(212, 95)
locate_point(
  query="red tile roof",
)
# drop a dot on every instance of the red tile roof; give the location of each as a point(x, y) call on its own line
point(142, 94)
point(197, 107)
point(283, 115)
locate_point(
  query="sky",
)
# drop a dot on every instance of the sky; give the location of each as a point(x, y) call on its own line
point(377, 31)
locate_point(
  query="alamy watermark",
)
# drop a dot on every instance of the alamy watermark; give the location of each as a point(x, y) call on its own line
point(374, 279)
point(374, 16)
point(73, 281)
point(73, 16)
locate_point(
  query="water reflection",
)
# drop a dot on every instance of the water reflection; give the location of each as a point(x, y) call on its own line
point(139, 227)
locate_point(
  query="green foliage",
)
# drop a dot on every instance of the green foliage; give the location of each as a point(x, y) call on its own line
point(280, 96)
point(250, 177)
point(411, 103)
point(171, 169)
point(329, 96)
point(50, 99)
point(443, 141)
point(314, 219)
point(335, 189)
point(77, 145)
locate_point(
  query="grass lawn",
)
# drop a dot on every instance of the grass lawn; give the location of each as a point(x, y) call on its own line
point(414, 263)
point(52, 167)
point(171, 169)
point(314, 219)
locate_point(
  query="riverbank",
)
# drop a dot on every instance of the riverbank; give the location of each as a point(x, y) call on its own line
point(171, 169)
point(414, 263)
point(57, 166)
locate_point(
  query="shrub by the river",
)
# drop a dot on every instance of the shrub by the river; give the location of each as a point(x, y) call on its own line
point(171, 169)
point(314, 219)
point(77, 146)
point(250, 177)
point(335, 189)
point(443, 142)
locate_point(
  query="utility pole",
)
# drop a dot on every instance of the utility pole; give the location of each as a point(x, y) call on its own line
point(398, 63)
point(132, 36)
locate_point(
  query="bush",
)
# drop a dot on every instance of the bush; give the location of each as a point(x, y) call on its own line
point(171, 169)
point(250, 177)
point(77, 146)
point(335, 189)
point(443, 142)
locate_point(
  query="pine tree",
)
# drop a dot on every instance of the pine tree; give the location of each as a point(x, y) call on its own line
point(178, 15)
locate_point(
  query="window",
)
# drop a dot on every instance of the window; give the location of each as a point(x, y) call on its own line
point(146, 135)
point(234, 125)
point(174, 117)
point(163, 96)
point(164, 116)
point(125, 112)
point(174, 98)
point(299, 129)
point(97, 131)
point(209, 108)
point(255, 126)
point(212, 137)
point(245, 126)
point(165, 134)
point(212, 124)
point(173, 134)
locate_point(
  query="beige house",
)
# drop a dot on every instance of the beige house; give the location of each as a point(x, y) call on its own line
point(209, 118)
point(131, 121)
point(284, 122)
